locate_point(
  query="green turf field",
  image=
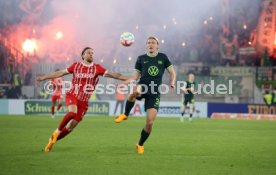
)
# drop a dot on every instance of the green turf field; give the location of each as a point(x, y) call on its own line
point(99, 146)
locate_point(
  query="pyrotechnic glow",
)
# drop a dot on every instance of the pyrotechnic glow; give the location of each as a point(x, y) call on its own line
point(59, 35)
point(30, 46)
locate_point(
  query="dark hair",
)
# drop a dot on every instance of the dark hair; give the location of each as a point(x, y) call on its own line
point(82, 52)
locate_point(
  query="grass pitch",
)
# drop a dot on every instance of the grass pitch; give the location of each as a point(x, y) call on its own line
point(100, 146)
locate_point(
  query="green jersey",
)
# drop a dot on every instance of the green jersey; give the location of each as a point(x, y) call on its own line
point(152, 68)
point(189, 93)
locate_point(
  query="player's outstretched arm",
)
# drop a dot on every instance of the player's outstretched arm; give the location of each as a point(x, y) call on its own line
point(135, 76)
point(172, 76)
point(56, 74)
point(117, 76)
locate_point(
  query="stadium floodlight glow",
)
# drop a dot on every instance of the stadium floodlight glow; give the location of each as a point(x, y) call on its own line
point(30, 46)
point(114, 61)
point(129, 58)
point(59, 35)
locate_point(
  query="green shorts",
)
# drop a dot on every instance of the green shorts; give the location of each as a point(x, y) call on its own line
point(151, 101)
point(189, 100)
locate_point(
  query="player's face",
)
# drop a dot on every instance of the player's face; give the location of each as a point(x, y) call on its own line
point(152, 46)
point(191, 77)
point(88, 55)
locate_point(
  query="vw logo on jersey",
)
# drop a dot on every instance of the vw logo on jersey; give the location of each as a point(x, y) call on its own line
point(153, 70)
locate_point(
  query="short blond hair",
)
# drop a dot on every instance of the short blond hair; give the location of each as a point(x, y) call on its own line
point(153, 37)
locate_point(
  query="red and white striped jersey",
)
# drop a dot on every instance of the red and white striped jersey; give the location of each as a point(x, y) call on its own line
point(85, 79)
point(57, 86)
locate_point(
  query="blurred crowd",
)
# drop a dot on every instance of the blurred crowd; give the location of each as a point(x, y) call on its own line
point(225, 40)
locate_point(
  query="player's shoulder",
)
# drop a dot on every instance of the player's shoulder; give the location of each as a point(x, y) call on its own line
point(142, 56)
point(162, 54)
point(75, 63)
point(97, 65)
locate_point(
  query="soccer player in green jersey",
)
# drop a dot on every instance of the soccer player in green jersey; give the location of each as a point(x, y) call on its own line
point(149, 68)
point(189, 92)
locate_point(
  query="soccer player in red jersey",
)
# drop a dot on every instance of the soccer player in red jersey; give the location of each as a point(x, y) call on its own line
point(85, 78)
point(57, 94)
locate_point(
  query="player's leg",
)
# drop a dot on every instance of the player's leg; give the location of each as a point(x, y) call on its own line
point(71, 102)
point(59, 103)
point(191, 110)
point(183, 109)
point(68, 128)
point(151, 106)
point(67, 123)
point(54, 99)
point(136, 92)
point(81, 110)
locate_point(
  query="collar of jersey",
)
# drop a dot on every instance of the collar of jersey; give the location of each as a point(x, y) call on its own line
point(152, 56)
point(87, 65)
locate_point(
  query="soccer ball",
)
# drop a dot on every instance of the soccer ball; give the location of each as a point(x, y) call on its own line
point(127, 39)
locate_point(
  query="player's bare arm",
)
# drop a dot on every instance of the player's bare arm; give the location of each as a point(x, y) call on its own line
point(172, 76)
point(135, 76)
point(56, 74)
point(185, 90)
point(116, 75)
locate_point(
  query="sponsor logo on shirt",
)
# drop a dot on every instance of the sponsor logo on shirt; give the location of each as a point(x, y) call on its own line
point(84, 75)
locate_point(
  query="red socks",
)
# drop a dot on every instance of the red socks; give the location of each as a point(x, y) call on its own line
point(59, 106)
point(63, 133)
point(53, 110)
point(66, 119)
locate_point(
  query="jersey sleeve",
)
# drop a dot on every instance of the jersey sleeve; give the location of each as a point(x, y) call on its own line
point(168, 63)
point(101, 70)
point(71, 68)
point(138, 65)
point(185, 85)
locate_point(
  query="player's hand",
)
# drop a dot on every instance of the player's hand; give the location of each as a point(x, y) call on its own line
point(121, 85)
point(185, 91)
point(39, 79)
point(172, 85)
